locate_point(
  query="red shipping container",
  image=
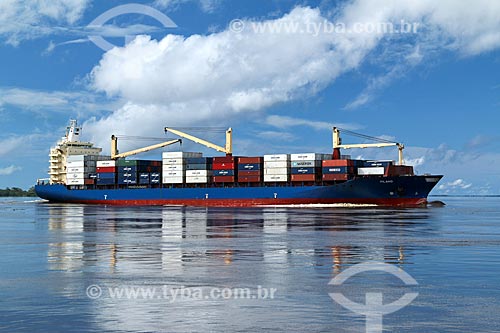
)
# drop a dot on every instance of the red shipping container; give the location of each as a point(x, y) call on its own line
point(249, 173)
point(225, 159)
point(336, 163)
point(249, 179)
point(398, 170)
point(223, 166)
point(89, 181)
point(223, 179)
point(250, 160)
point(335, 177)
point(304, 178)
point(106, 169)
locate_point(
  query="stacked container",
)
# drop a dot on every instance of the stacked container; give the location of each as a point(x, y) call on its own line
point(277, 168)
point(198, 170)
point(306, 167)
point(224, 169)
point(174, 166)
point(80, 169)
point(374, 168)
point(133, 172)
point(337, 170)
point(250, 169)
point(106, 172)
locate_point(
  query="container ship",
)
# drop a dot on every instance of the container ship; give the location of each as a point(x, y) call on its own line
point(80, 174)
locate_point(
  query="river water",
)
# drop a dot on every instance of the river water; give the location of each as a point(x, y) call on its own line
point(78, 268)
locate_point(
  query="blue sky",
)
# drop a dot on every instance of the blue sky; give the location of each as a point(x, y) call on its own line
point(436, 89)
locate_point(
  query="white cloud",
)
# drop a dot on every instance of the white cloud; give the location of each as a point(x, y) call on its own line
point(82, 103)
point(10, 144)
point(286, 122)
point(29, 19)
point(207, 6)
point(454, 185)
point(9, 170)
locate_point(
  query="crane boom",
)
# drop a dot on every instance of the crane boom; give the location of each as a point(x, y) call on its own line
point(114, 148)
point(228, 149)
point(337, 144)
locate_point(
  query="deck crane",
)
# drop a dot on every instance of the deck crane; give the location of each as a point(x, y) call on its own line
point(337, 143)
point(227, 149)
point(114, 148)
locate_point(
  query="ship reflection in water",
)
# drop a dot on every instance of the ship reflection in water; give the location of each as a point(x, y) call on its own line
point(295, 251)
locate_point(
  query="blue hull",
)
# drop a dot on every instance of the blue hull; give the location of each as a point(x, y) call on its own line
point(390, 191)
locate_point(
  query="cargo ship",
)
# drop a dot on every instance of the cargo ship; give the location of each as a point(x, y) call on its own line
point(80, 174)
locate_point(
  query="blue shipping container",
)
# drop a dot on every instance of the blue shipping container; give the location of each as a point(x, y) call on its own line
point(303, 171)
point(198, 166)
point(227, 172)
point(106, 175)
point(374, 164)
point(196, 160)
point(336, 170)
point(128, 168)
point(248, 166)
point(105, 181)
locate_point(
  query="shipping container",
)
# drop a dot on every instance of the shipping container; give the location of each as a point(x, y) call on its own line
point(223, 172)
point(277, 164)
point(129, 168)
point(172, 180)
point(373, 164)
point(80, 170)
point(106, 175)
point(378, 171)
point(76, 181)
point(155, 177)
point(224, 159)
point(175, 161)
point(276, 178)
point(198, 166)
point(399, 170)
point(106, 169)
point(75, 175)
point(250, 160)
point(222, 166)
point(198, 179)
point(306, 164)
point(180, 154)
point(306, 157)
point(197, 160)
point(337, 163)
point(337, 170)
point(276, 157)
point(198, 173)
point(249, 166)
point(144, 178)
point(81, 158)
point(304, 178)
point(173, 167)
point(105, 181)
point(223, 179)
point(336, 177)
point(305, 171)
point(276, 171)
point(106, 164)
point(250, 173)
point(173, 174)
point(80, 164)
point(249, 179)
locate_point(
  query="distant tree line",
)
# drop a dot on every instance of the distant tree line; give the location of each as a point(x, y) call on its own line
point(17, 192)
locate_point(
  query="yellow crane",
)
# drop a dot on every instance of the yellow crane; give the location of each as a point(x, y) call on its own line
point(114, 148)
point(337, 143)
point(227, 149)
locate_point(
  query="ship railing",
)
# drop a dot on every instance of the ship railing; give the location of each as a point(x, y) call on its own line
point(43, 181)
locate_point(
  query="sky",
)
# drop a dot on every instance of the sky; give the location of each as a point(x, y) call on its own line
point(281, 73)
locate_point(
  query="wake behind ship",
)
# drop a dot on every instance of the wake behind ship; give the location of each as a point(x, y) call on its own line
point(80, 174)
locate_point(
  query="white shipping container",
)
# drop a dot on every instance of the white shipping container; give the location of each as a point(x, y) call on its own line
point(173, 174)
point(80, 164)
point(180, 154)
point(197, 179)
point(169, 161)
point(173, 180)
point(307, 157)
point(173, 167)
point(276, 171)
point(75, 175)
point(106, 164)
point(198, 173)
point(77, 181)
point(80, 158)
point(275, 178)
point(81, 170)
point(277, 164)
point(276, 157)
point(306, 164)
point(379, 171)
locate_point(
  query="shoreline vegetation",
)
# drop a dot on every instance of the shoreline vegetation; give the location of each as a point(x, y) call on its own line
point(17, 192)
